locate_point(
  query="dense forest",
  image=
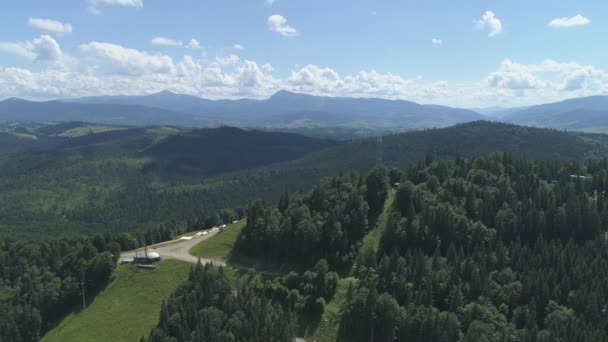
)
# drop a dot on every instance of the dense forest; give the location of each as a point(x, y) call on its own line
point(488, 249)
point(206, 308)
point(40, 282)
point(497, 248)
point(78, 178)
point(325, 223)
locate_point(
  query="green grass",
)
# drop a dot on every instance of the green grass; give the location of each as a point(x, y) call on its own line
point(330, 321)
point(219, 246)
point(372, 239)
point(127, 309)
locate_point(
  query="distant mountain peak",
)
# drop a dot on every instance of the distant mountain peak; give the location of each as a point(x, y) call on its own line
point(286, 94)
point(15, 99)
point(164, 93)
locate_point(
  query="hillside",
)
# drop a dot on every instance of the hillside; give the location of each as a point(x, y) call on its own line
point(474, 249)
point(400, 150)
point(126, 309)
point(127, 178)
point(139, 178)
point(588, 114)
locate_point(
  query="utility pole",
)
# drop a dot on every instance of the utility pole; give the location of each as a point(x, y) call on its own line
point(84, 303)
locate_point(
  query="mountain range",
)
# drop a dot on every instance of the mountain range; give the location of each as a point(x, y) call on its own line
point(283, 109)
point(301, 112)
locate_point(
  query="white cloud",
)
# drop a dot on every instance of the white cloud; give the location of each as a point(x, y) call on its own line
point(94, 5)
point(51, 26)
point(577, 20)
point(162, 41)
point(238, 47)
point(549, 79)
point(228, 60)
point(437, 42)
point(489, 21)
point(105, 68)
point(278, 23)
point(124, 60)
point(42, 49)
point(193, 44)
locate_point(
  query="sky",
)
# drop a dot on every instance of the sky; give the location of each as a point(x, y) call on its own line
point(465, 53)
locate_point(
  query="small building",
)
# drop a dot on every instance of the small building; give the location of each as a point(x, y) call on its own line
point(146, 257)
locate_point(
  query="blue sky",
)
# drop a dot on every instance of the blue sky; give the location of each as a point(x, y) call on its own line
point(462, 53)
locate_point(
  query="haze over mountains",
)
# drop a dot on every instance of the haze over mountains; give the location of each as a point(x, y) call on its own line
point(287, 110)
point(284, 109)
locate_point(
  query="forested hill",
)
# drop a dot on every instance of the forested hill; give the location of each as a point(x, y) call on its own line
point(73, 176)
point(401, 150)
point(470, 139)
point(106, 177)
point(214, 151)
point(494, 248)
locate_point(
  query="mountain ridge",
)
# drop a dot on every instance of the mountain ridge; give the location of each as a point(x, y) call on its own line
point(282, 109)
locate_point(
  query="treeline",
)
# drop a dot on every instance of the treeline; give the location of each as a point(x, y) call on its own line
point(206, 308)
point(487, 249)
point(40, 282)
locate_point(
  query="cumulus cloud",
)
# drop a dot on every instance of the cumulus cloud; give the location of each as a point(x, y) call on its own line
point(436, 42)
point(238, 47)
point(193, 44)
point(128, 61)
point(94, 5)
point(51, 26)
point(106, 68)
point(489, 21)
point(278, 23)
point(549, 79)
point(577, 20)
point(162, 41)
point(42, 49)
point(228, 60)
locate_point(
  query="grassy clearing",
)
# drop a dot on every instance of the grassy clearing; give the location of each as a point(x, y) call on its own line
point(127, 309)
point(24, 135)
point(330, 321)
point(372, 239)
point(88, 129)
point(219, 246)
